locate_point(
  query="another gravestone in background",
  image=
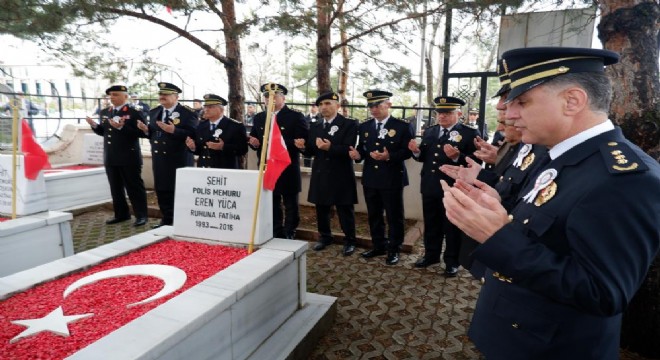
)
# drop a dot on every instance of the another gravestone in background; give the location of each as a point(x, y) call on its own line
point(92, 153)
point(218, 204)
point(30, 194)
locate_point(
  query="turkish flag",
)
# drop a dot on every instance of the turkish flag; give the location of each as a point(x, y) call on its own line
point(36, 158)
point(278, 156)
point(53, 320)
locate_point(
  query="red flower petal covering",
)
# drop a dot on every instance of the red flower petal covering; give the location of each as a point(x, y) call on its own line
point(72, 167)
point(107, 299)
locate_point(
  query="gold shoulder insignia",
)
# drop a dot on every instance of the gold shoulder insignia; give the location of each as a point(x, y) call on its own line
point(189, 108)
point(620, 158)
point(234, 120)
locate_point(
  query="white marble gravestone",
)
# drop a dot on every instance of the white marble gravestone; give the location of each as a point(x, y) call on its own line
point(217, 204)
point(30, 194)
point(92, 153)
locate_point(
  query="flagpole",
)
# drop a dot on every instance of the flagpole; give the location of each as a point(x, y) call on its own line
point(262, 164)
point(14, 155)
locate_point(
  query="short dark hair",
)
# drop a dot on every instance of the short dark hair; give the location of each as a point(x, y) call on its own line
point(597, 86)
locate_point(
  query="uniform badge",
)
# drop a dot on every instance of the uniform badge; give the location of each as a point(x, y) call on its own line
point(391, 133)
point(455, 136)
point(518, 162)
point(175, 115)
point(176, 121)
point(382, 133)
point(217, 133)
point(333, 130)
point(527, 161)
point(116, 119)
point(539, 195)
point(546, 194)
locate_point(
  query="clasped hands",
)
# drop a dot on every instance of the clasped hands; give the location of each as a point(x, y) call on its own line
point(472, 205)
point(451, 151)
point(322, 144)
point(213, 145)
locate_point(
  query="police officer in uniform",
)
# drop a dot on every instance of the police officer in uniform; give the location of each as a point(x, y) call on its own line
point(333, 178)
point(447, 142)
point(383, 146)
point(169, 125)
point(508, 175)
point(566, 261)
point(121, 155)
point(292, 126)
point(219, 141)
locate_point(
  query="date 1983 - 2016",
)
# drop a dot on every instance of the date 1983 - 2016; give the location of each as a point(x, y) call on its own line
point(208, 225)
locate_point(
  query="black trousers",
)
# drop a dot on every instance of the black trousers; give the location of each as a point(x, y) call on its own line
point(346, 214)
point(285, 223)
point(130, 178)
point(389, 201)
point(437, 228)
point(166, 205)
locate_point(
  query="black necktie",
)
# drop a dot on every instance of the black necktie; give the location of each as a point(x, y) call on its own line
point(167, 115)
point(445, 132)
point(326, 126)
point(212, 127)
point(378, 126)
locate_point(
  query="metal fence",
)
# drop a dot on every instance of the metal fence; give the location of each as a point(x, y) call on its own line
point(54, 112)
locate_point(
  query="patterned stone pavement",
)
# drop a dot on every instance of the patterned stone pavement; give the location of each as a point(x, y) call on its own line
point(384, 312)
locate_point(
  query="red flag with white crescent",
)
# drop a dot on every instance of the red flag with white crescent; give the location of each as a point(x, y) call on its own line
point(54, 320)
point(278, 156)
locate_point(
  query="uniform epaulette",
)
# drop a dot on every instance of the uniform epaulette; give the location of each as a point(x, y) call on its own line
point(234, 120)
point(188, 108)
point(401, 120)
point(620, 158)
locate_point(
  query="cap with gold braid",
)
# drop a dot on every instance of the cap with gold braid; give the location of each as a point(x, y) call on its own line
point(116, 88)
point(505, 82)
point(375, 97)
point(213, 99)
point(167, 89)
point(327, 96)
point(277, 88)
point(447, 104)
point(529, 67)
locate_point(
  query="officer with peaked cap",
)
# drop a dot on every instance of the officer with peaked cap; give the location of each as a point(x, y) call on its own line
point(169, 125)
point(219, 141)
point(122, 157)
point(513, 162)
point(383, 146)
point(292, 126)
point(571, 254)
point(447, 142)
point(333, 178)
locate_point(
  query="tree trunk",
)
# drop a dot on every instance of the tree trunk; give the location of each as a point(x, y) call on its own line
point(234, 65)
point(632, 28)
point(323, 48)
point(345, 61)
point(428, 62)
